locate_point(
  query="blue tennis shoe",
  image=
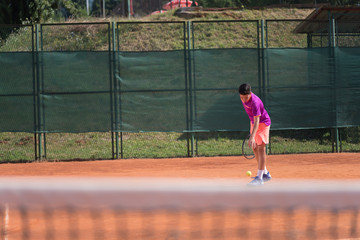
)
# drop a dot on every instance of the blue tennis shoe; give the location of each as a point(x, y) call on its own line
point(267, 177)
point(256, 182)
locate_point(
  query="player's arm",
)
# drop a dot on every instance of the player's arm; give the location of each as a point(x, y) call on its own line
point(252, 142)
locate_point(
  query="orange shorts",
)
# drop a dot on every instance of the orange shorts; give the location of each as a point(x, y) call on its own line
point(262, 134)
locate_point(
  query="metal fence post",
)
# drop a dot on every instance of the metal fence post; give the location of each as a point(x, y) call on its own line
point(129, 8)
point(38, 95)
point(113, 92)
point(118, 89)
point(41, 73)
point(333, 32)
point(332, 45)
point(262, 82)
point(335, 81)
point(112, 109)
point(263, 79)
point(185, 32)
point(34, 63)
point(193, 80)
point(192, 137)
point(114, 59)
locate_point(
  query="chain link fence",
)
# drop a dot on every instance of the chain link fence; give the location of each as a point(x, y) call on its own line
point(16, 38)
point(225, 34)
point(150, 36)
point(16, 41)
point(53, 51)
point(74, 37)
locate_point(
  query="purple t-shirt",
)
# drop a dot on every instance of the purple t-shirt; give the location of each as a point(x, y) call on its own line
point(255, 107)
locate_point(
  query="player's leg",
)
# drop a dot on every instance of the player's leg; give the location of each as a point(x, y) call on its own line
point(258, 180)
point(262, 163)
point(261, 138)
point(260, 158)
point(261, 152)
point(262, 175)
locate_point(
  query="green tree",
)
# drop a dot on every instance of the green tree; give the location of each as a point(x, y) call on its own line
point(109, 6)
point(43, 10)
point(14, 11)
point(36, 11)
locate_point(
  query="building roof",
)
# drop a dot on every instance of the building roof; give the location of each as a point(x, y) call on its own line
point(347, 20)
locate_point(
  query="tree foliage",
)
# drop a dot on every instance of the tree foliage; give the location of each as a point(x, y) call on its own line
point(43, 10)
point(13, 11)
point(109, 6)
point(37, 11)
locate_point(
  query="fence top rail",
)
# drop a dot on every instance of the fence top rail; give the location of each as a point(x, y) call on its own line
point(75, 23)
point(160, 22)
point(213, 21)
point(151, 22)
point(295, 20)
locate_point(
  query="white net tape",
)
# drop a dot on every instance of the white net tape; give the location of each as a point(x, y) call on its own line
point(129, 208)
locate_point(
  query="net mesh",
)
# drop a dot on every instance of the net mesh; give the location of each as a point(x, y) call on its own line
point(100, 208)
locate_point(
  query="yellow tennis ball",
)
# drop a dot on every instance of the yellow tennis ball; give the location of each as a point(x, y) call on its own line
point(248, 173)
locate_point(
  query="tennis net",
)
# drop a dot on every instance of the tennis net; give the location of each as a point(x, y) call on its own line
point(129, 208)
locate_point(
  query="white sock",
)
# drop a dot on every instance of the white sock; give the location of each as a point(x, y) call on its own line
point(265, 171)
point(260, 174)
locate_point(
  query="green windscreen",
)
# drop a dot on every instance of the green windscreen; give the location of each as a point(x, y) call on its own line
point(313, 88)
point(217, 75)
point(348, 86)
point(16, 92)
point(300, 88)
point(177, 90)
point(152, 91)
point(76, 91)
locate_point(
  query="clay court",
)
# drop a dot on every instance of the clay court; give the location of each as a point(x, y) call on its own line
point(181, 225)
point(339, 166)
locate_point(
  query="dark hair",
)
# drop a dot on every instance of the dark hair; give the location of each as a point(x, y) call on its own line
point(245, 89)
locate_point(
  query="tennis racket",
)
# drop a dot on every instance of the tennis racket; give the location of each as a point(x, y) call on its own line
point(246, 149)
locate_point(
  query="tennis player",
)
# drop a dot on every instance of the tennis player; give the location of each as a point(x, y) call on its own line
point(259, 131)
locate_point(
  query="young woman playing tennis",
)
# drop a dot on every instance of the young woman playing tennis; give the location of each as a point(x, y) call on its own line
point(259, 131)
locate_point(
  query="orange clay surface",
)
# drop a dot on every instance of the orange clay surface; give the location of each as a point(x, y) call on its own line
point(178, 225)
point(338, 166)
